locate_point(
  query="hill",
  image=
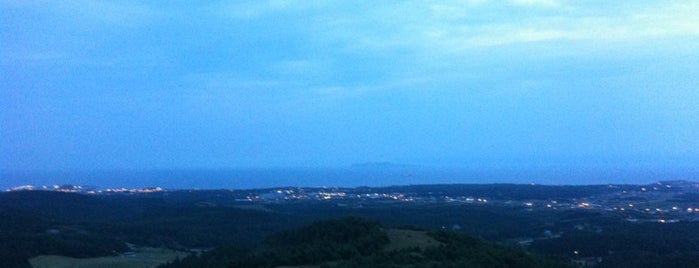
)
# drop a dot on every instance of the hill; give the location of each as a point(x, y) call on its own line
point(611, 225)
point(356, 242)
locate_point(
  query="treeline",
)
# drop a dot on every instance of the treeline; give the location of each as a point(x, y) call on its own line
point(628, 244)
point(509, 191)
point(320, 242)
point(182, 227)
point(356, 242)
point(36, 223)
point(24, 235)
point(492, 223)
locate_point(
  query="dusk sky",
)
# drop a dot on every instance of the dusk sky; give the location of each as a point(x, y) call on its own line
point(228, 84)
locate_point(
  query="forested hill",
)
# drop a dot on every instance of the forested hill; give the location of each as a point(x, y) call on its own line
point(34, 223)
point(356, 242)
point(610, 225)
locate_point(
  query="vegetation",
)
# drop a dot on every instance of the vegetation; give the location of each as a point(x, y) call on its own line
point(138, 258)
point(39, 223)
point(355, 242)
point(78, 226)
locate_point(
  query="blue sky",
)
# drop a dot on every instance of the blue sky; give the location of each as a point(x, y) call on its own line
point(174, 84)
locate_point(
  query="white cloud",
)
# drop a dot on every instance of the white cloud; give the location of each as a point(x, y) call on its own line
point(337, 92)
point(538, 3)
point(515, 35)
point(454, 27)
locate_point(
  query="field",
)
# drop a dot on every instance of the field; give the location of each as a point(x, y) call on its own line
point(142, 257)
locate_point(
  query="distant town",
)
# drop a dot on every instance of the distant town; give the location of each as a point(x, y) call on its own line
point(661, 202)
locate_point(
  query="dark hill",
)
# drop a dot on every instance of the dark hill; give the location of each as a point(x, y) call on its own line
point(73, 206)
point(355, 242)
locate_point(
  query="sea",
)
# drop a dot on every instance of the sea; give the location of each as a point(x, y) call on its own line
point(255, 178)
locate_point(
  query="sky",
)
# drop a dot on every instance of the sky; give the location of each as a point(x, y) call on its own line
point(96, 84)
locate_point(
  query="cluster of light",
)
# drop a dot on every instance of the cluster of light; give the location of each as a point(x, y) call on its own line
point(22, 188)
point(472, 199)
point(329, 195)
point(143, 191)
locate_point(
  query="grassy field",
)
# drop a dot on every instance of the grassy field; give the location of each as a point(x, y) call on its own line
point(143, 257)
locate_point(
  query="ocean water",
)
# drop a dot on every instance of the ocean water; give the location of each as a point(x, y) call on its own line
point(338, 177)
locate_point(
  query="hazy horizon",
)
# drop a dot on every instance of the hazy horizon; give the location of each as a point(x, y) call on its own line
point(551, 86)
point(255, 178)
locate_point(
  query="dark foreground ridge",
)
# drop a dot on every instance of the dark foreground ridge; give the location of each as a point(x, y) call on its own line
point(356, 242)
point(600, 226)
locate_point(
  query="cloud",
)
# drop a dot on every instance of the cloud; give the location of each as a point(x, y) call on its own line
point(336, 92)
point(455, 26)
point(441, 42)
point(537, 3)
